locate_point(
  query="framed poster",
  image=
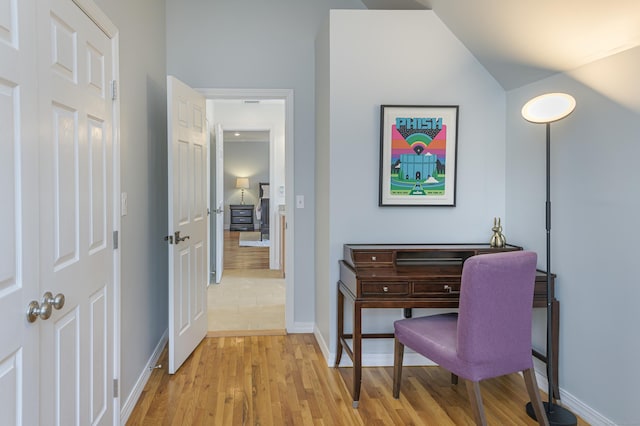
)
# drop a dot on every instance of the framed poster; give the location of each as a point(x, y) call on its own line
point(418, 148)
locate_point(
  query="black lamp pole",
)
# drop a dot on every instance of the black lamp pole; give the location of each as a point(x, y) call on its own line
point(549, 302)
point(556, 414)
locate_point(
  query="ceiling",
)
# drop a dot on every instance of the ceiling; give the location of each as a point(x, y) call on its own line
point(522, 41)
point(246, 135)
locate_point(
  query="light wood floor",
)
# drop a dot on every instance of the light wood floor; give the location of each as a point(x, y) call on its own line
point(236, 257)
point(284, 380)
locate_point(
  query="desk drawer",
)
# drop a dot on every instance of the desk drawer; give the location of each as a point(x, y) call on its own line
point(373, 257)
point(384, 288)
point(436, 288)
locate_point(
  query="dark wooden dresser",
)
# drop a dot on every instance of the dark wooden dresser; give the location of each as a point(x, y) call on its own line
point(411, 276)
point(241, 217)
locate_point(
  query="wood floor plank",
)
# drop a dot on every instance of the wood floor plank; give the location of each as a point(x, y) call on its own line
point(237, 257)
point(285, 380)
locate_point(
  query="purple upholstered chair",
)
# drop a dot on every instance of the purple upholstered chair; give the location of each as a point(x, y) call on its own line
point(491, 334)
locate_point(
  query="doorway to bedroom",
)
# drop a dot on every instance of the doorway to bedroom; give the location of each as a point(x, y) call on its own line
point(248, 294)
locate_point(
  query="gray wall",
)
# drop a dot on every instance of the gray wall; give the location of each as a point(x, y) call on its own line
point(370, 64)
point(143, 137)
point(595, 196)
point(258, 44)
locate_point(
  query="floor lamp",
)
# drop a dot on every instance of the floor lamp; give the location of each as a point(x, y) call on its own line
point(547, 109)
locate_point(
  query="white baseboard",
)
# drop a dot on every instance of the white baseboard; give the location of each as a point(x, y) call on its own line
point(573, 404)
point(133, 397)
point(301, 328)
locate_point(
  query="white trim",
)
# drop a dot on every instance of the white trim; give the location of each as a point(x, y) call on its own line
point(133, 397)
point(570, 402)
point(263, 126)
point(117, 274)
point(98, 17)
point(301, 328)
point(324, 347)
point(287, 96)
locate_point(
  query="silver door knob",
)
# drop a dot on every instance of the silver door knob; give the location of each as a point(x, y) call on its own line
point(57, 302)
point(35, 310)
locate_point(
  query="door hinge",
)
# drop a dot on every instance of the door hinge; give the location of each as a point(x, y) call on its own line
point(115, 388)
point(114, 90)
point(115, 240)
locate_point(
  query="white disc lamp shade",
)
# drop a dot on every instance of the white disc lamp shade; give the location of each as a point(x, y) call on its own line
point(548, 108)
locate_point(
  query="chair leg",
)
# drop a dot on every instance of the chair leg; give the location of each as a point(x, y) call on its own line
point(398, 355)
point(534, 395)
point(475, 399)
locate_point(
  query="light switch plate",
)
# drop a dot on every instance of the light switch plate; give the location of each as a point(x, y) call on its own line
point(300, 201)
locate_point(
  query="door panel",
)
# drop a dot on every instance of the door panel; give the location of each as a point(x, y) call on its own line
point(66, 353)
point(19, 344)
point(187, 159)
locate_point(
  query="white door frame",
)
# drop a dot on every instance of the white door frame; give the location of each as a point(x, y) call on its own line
point(267, 127)
point(287, 96)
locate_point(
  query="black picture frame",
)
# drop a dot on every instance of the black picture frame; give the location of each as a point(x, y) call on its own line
point(418, 155)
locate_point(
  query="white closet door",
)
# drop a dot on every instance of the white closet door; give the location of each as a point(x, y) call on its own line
point(19, 346)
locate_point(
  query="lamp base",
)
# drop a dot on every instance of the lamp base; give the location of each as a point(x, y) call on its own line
point(558, 415)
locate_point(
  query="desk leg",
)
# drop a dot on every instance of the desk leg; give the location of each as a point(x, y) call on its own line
point(357, 353)
point(555, 335)
point(340, 327)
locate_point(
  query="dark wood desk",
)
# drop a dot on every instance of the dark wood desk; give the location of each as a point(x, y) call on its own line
point(413, 276)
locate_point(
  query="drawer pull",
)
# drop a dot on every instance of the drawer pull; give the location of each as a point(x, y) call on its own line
point(373, 258)
point(450, 289)
point(385, 289)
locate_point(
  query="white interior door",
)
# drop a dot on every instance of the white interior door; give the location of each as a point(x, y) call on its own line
point(76, 216)
point(219, 202)
point(56, 367)
point(187, 162)
point(19, 345)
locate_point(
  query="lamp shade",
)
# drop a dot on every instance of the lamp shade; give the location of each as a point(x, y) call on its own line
point(242, 183)
point(548, 108)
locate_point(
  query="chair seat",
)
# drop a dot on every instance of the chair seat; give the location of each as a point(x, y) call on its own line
point(436, 336)
point(491, 334)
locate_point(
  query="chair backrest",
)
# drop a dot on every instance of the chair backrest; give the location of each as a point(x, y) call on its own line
point(496, 297)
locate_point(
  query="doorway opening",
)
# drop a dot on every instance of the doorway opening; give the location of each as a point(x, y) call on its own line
point(257, 128)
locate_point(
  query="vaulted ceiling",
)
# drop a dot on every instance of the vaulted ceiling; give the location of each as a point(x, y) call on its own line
point(522, 41)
